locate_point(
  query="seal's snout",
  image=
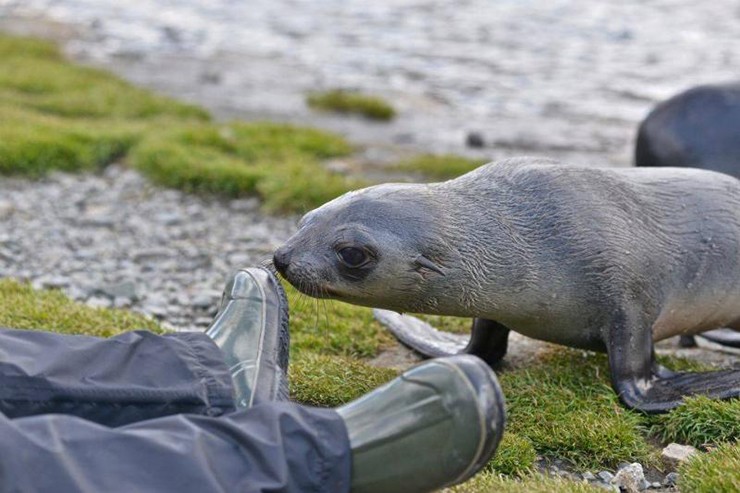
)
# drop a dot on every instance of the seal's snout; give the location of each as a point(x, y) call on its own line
point(281, 260)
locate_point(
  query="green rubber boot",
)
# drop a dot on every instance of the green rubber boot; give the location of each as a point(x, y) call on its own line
point(434, 426)
point(251, 328)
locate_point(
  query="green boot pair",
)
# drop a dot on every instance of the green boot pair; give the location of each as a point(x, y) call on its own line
point(436, 425)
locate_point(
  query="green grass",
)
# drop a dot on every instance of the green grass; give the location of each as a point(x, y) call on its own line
point(56, 115)
point(438, 167)
point(566, 408)
point(515, 457)
point(333, 328)
point(699, 421)
point(329, 381)
point(341, 101)
point(22, 307)
point(715, 472)
point(487, 482)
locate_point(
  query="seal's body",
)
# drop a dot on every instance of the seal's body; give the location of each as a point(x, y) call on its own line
point(604, 259)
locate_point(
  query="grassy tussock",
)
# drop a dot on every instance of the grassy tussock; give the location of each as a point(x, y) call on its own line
point(699, 421)
point(566, 408)
point(334, 328)
point(438, 167)
point(22, 307)
point(340, 101)
point(515, 456)
point(329, 381)
point(55, 115)
point(487, 482)
point(715, 472)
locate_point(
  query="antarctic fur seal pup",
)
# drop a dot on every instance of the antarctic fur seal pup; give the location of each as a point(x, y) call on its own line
point(608, 259)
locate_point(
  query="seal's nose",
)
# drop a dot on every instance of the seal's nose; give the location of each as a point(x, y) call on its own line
point(281, 259)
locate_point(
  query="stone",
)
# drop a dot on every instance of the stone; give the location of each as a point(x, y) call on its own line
point(124, 289)
point(244, 205)
point(99, 302)
point(6, 209)
point(605, 476)
point(202, 301)
point(587, 476)
point(675, 454)
point(671, 479)
point(656, 485)
point(475, 140)
point(122, 302)
point(630, 478)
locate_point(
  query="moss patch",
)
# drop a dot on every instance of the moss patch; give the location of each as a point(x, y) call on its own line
point(329, 381)
point(332, 328)
point(515, 456)
point(699, 421)
point(438, 167)
point(340, 101)
point(55, 115)
point(716, 472)
point(489, 483)
point(565, 406)
point(22, 307)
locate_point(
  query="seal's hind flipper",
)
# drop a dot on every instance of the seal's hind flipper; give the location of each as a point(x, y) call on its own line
point(420, 336)
point(661, 394)
point(723, 337)
point(488, 339)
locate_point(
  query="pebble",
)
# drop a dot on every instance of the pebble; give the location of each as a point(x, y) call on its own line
point(115, 239)
point(630, 478)
point(605, 476)
point(475, 140)
point(675, 454)
point(671, 479)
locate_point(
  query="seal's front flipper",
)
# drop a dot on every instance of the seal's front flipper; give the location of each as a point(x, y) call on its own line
point(488, 340)
point(644, 385)
point(420, 336)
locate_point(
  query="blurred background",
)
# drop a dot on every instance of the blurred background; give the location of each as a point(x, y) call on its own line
point(566, 78)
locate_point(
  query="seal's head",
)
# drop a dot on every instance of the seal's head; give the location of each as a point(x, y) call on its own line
point(379, 246)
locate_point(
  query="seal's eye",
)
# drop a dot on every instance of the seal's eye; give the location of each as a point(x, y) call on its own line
point(352, 257)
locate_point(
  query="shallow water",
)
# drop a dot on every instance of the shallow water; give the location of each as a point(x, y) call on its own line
point(566, 78)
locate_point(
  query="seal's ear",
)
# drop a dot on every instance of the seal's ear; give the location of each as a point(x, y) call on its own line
point(422, 261)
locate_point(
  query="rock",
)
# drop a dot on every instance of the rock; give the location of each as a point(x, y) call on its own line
point(475, 140)
point(605, 476)
point(6, 209)
point(99, 302)
point(671, 479)
point(121, 302)
point(245, 205)
point(630, 478)
point(656, 485)
point(675, 454)
point(587, 476)
point(204, 300)
point(56, 282)
point(125, 289)
point(168, 218)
